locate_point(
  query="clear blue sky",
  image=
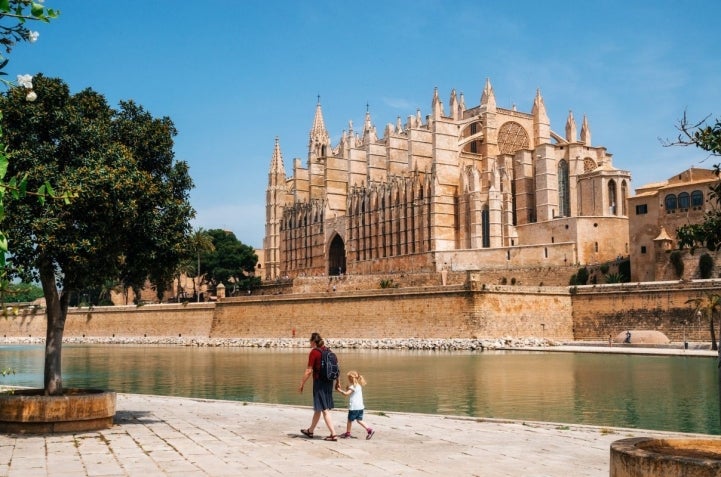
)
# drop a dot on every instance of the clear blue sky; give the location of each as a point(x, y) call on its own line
point(233, 75)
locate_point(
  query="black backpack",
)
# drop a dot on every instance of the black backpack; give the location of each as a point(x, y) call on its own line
point(329, 368)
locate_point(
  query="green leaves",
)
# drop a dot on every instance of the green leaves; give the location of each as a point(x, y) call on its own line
point(106, 187)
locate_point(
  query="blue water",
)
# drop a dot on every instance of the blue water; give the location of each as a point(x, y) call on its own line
point(649, 392)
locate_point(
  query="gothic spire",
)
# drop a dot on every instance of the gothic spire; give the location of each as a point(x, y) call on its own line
point(541, 123)
point(319, 140)
point(436, 105)
point(585, 132)
point(571, 128)
point(488, 98)
point(539, 108)
point(276, 162)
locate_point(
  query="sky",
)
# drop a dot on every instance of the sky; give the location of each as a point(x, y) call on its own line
point(235, 75)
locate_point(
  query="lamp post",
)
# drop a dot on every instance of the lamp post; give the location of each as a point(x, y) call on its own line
point(685, 343)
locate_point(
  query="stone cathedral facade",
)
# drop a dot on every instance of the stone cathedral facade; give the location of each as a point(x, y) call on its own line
point(461, 189)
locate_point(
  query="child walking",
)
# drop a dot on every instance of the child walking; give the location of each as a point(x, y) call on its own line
point(355, 402)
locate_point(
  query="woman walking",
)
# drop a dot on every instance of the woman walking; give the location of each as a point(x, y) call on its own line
point(322, 389)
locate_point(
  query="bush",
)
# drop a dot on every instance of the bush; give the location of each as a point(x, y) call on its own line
point(705, 265)
point(614, 278)
point(624, 269)
point(604, 268)
point(676, 259)
point(582, 276)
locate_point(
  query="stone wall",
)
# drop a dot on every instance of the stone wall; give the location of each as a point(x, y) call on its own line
point(193, 319)
point(438, 312)
point(473, 310)
point(602, 310)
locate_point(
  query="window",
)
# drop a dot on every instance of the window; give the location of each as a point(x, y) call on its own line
point(643, 249)
point(641, 209)
point(683, 200)
point(696, 198)
point(612, 198)
point(564, 199)
point(670, 202)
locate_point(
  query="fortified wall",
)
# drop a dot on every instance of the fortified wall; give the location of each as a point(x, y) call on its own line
point(471, 310)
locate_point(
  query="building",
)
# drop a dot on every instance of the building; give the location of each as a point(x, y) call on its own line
point(657, 211)
point(461, 189)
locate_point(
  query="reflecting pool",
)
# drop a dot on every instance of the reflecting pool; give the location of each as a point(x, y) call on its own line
point(652, 392)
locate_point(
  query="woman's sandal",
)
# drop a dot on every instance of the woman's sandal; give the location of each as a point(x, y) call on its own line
point(307, 433)
point(331, 438)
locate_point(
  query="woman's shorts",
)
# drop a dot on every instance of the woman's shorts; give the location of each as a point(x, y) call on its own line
point(356, 415)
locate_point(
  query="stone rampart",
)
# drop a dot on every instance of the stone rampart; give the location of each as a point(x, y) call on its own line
point(475, 310)
point(602, 310)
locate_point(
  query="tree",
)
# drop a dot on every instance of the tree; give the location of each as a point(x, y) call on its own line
point(707, 137)
point(130, 216)
point(709, 306)
point(22, 293)
point(231, 262)
point(200, 242)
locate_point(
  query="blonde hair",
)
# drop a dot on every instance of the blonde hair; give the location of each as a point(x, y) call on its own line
point(355, 378)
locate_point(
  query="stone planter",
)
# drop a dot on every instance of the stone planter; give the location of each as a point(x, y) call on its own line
point(649, 457)
point(30, 411)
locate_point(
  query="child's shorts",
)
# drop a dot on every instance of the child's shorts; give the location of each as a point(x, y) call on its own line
point(356, 415)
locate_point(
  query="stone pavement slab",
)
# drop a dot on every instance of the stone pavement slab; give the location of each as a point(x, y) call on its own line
point(169, 436)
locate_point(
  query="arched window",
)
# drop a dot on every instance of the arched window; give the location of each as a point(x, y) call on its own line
point(612, 197)
point(564, 199)
point(670, 202)
point(486, 227)
point(624, 194)
point(683, 200)
point(696, 198)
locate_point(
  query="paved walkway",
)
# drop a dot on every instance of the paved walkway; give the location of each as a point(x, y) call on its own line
point(168, 436)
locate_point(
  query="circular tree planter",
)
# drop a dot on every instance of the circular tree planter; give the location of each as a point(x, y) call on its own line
point(649, 457)
point(31, 411)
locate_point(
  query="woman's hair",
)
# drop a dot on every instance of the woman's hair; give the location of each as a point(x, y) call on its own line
point(316, 338)
point(356, 378)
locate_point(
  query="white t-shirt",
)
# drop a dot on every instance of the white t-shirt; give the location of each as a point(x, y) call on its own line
point(355, 401)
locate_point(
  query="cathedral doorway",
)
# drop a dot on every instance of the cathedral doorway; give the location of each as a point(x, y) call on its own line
point(336, 256)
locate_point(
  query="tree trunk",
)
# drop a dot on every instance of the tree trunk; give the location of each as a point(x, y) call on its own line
point(714, 344)
point(56, 312)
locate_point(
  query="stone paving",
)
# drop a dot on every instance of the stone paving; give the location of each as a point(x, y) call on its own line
point(169, 436)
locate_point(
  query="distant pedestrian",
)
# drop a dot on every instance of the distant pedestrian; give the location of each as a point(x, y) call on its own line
point(322, 389)
point(355, 403)
point(628, 337)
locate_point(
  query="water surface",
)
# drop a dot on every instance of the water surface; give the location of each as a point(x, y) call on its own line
point(650, 392)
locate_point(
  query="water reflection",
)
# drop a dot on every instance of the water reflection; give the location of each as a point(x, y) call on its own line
point(668, 393)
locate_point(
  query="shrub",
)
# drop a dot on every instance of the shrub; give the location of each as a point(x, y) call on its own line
point(624, 269)
point(582, 276)
point(604, 268)
point(388, 283)
point(676, 259)
point(614, 278)
point(705, 265)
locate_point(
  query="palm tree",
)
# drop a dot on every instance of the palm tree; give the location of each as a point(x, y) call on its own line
point(708, 305)
point(200, 242)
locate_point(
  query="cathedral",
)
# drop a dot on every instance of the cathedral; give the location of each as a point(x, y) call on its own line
point(459, 189)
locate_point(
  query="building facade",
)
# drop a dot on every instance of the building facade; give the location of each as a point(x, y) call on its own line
point(657, 210)
point(461, 189)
